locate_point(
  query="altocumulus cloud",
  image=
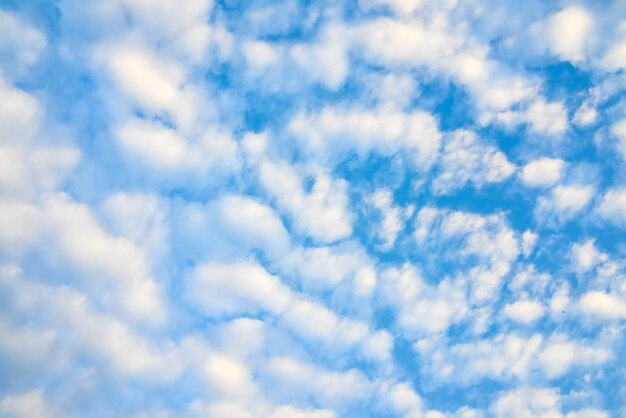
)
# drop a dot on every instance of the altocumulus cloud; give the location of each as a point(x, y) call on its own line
point(294, 209)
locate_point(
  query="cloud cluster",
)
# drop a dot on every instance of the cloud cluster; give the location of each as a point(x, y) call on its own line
point(381, 208)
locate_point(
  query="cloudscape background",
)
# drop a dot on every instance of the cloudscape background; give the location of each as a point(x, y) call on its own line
point(312, 209)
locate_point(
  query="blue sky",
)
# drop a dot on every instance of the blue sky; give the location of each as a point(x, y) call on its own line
point(315, 209)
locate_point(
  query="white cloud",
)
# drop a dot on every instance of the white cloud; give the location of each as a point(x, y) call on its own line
point(185, 25)
point(27, 405)
point(219, 409)
point(612, 208)
point(537, 402)
point(243, 288)
point(146, 78)
point(522, 403)
point(260, 54)
point(252, 222)
point(325, 61)
point(424, 223)
point(140, 217)
point(487, 242)
point(254, 145)
point(585, 115)
point(465, 159)
point(506, 357)
point(321, 213)
point(547, 118)
point(569, 32)
point(365, 281)
point(400, 7)
point(423, 308)
point(313, 322)
point(163, 148)
point(529, 240)
point(434, 43)
point(227, 377)
point(30, 162)
point(20, 114)
point(392, 220)
point(291, 412)
point(77, 329)
point(228, 227)
point(334, 132)
point(614, 59)
point(242, 338)
point(294, 379)
point(182, 30)
point(502, 357)
point(563, 202)
point(112, 269)
point(619, 131)
point(585, 256)
point(560, 300)
point(542, 172)
point(530, 280)
point(323, 267)
point(20, 226)
point(21, 44)
point(559, 355)
point(587, 413)
point(160, 146)
point(524, 311)
point(392, 90)
point(27, 170)
point(604, 305)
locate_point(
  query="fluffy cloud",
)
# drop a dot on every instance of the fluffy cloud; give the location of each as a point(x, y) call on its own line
point(486, 243)
point(524, 311)
point(114, 268)
point(28, 404)
point(619, 131)
point(423, 308)
point(563, 203)
point(434, 44)
point(21, 44)
point(124, 352)
point(569, 32)
point(321, 213)
point(335, 132)
point(296, 379)
point(466, 160)
point(243, 225)
point(604, 305)
point(542, 172)
point(30, 163)
point(222, 290)
point(585, 256)
point(507, 356)
point(613, 207)
point(325, 267)
point(391, 218)
point(164, 149)
point(244, 288)
point(536, 402)
point(542, 117)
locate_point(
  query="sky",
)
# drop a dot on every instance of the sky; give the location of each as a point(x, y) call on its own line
point(312, 209)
